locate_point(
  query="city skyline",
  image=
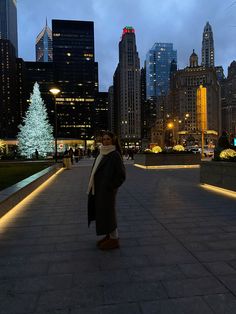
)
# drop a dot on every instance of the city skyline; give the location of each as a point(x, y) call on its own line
point(179, 23)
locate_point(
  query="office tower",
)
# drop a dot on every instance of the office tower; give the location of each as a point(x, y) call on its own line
point(21, 87)
point(111, 108)
point(10, 112)
point(148, 111)
point(220, 73)
point(42, 73)
point(8, 22)
point(76, 74)
point(183, 97)
point(101, 112)
point(127, 90)
point(158, 62)
point(43, 45)
point(208, 47)
point(228, 98)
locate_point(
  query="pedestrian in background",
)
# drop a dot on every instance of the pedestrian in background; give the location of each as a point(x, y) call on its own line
point(36, 154)
point(223, 143)
point(108, 173)
point(71, 154)
point(76, 154)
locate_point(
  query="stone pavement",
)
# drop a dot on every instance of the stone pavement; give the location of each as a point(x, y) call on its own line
point(177, 255)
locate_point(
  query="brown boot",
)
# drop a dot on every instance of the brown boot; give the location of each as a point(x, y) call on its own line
point(107, 237)
point(110, 244)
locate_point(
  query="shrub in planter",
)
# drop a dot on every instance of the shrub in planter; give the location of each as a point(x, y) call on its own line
point(156, 149)
point(178, 148)
point(228, 155)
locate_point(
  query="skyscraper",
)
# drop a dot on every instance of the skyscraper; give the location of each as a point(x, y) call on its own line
point(183, 100)
point(8, 22)
point(228, 100)
point(158, 62)
point(43, 45)
point(208, 59)
point(76, 74)
point(127, 86)
point(10, 111)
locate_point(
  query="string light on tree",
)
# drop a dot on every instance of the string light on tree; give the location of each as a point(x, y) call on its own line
point(35, 131)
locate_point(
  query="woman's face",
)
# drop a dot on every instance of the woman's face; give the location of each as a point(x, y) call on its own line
point(106, 140)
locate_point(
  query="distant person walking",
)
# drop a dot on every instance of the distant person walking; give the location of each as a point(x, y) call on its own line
point(36, 154)
point(107, 175)
point(71, 154)
point(76, 154)
point(223, 143)
point(130, 154)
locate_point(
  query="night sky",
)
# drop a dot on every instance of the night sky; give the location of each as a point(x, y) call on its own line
point(179, 22)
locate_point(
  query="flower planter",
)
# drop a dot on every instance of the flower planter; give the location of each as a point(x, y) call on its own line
point(163, 159)
point(219, 173)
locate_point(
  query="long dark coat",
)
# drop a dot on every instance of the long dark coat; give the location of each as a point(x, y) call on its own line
point(110, 174)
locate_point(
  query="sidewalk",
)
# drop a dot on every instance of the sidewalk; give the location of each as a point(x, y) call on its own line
point(177, 255)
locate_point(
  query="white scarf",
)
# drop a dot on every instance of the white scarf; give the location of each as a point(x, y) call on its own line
point(104, 150)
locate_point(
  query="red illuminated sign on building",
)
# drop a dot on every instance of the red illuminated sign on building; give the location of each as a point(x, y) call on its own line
point(128, 29)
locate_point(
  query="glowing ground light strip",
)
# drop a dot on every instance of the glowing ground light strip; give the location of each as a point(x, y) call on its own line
point(168, 166)
point(216, 189)
point(19, 208)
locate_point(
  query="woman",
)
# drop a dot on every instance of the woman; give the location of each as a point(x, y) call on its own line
point(108, 173)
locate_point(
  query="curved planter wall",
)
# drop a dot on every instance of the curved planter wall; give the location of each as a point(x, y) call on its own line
point(167, 159)
point(219, 173)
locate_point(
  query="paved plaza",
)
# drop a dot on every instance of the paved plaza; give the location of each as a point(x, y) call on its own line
point(177, 255)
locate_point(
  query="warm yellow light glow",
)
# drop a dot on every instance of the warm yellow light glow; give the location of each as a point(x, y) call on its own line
point(167, 166)
point(156, 149)
point(54, 91)
point(202, 108)
point(16, 211)
point(2, 145)
point(170, 125)
point(216, 189)
point(227, 153)
point(178, 148)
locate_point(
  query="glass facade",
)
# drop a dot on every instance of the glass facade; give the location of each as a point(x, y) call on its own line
point(76, 74)
point(127, 86)
point(44, 45)
point(158, 63)
point(8, 22)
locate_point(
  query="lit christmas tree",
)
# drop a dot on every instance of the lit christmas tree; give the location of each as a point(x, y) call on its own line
point(35, 132)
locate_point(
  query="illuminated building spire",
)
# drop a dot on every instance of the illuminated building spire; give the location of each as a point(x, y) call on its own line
point(208, 59)
point(44, 45)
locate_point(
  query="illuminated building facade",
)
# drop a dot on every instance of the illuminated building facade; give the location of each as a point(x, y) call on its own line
point(127, 103)
point(101, 112)
point(9, 96)
point(208, 58)
point(76, 75)
point(158, 63)
point(43, 45)
point(183, 97)
point(42, 73)
point(228, 87)
point(111, 109)
point(8, 22)
point(148, 111)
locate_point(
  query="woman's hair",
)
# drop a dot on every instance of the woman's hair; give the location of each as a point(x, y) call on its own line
point(115, 140)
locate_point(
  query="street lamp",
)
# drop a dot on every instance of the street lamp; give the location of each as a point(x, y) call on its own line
point(170, 131)
point(55, 91)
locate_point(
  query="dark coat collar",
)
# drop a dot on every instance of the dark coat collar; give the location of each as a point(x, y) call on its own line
point(104, 159)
